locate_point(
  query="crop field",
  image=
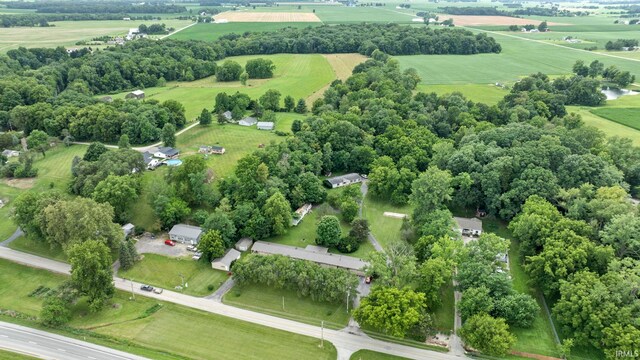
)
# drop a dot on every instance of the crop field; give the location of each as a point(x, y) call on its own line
point(474, 20)
point(296, 75)
point(241, 16)
point(67, 33)
point(342, 65)
point(626, 116)
point(169, 331)
point(287, 304)
point(345, 14)
point(212, 31)
point(484, 93)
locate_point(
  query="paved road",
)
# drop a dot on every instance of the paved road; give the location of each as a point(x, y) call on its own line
point(46, 345)
point(177, 31)
point(223, 289)
point(16, 234)
point(342, 339)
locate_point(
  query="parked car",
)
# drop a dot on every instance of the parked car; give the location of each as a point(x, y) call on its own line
point(192, 248)
point(157, 291)
point(146, 287)
point(197, 256)
point(170, 242)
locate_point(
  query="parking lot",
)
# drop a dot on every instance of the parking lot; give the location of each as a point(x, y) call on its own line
point(149, 245)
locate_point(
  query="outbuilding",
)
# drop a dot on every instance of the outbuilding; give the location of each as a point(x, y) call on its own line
point(136, 94)
point(265, 125)
point(186, 234)
point(343, 180)
point(248, 121)
point(10, 153)
point(224, 263)
point(244, 244)
point(469, 226)
point(128, 229)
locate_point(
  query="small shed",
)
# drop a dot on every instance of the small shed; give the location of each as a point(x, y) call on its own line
point(300, 214)
point(228, 115)
point(244, 244)
point(224, 263)
point(128, 229)
point(265, 125)
point(248, 121)
point(136, 94)
point(185, 234)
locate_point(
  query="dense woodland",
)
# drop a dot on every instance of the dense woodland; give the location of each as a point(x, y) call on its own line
point(493, 11)
point(96, 7)
point(42, 20)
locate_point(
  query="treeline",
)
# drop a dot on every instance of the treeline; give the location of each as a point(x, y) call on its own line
point(493, 11)
point(611, 74)
point(31, 20)
point(473, 10)
point(392, 39)
point(620, 44)
point(305, 277)
point(95, 7)
point(552, 11)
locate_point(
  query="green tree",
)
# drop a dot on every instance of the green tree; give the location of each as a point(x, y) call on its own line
point(328, 232)
point(277, 212)
point(170, 210)
point(221, 222)
point(517, 309)
point(91, 272)
point(55, 312)
point(301, 107)
point(205, 117)
point(270, 100)
point(38, 140)
point(430, 192)
point(390, 310)
point(289, 103)
point(260, 68)
point(434, 274)
point(229, 71)
point(123, 142)
point(244, 77)
point(211, 245)
point(543, 26)
point(349, 210)
point(94, 151)
point(623, 234)
point(119, 192)
point(124, 256)
point(169, 135)
point(621, 339)
point(359, 229)
point(595, 69)
point(475, 301)
point(489, 335)
point(396, 267)
point(237, 113)
point(579, 68)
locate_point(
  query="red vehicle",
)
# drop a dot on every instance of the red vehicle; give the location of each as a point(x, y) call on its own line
point(170, 242)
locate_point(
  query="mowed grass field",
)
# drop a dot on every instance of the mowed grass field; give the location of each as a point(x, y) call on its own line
point(373, 355)
point(484, 93)
point(264, 299)
point(385, 229)
point(296, 75)
point(6, 355)
point(213, 31)
point(164, 272)
point(626, 116)
point(622, 111)
point(171, 332)
point(67, 33)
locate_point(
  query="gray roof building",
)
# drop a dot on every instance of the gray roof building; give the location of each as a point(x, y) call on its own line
point(265, 125)
point(243, 244)
point(248, 121)
point(311, 254)
point(167, 151)
point(469, 226)
point(185, 233)
point(224, 263)
point(227, 115)
point(343, 180)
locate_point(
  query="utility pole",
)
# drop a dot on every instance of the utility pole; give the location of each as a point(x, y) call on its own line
point(182, 279)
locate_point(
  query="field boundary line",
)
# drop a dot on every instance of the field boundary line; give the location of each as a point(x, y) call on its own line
point(177, 31)
point(551, 44)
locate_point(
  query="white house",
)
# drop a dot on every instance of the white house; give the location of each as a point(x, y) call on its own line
point(300, 214)
point(185, 234)
point(166, 152)
point(10, 153)
point(135, 94)
point(265, 125)
point(343, 180)
point(224, 263)
point(248, 121)
point(469, 227)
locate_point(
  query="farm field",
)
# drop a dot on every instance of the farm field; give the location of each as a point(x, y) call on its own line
point(265, 299)
point(212, 31)
point(485, 93)
point(475, 20)
point(169, 331)
point(67, 33)
point(625, 116)
point(164, 272)
point(345, 14)
point(342, 65)
point(519, 57)
point(277, 17)
point(295, 75)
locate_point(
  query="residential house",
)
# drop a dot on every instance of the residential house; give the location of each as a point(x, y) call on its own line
point(10, 153)
point(248, 121)
point(128, 229)
point(204, 149)
point(126, 19)
point(224, 263)
point(150, 161)
point(135, 94)
point(469, 227)
point(186, 234)
point(228, 115)
point(165, 152)
point(300, 214)
point(244, 244)
point(317, 254)
point(265, 125)
point(343, 180)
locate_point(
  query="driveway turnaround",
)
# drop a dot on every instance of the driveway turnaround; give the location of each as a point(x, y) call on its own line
point(345, 342)
point(46, 345)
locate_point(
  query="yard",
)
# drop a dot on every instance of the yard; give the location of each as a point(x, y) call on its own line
point(287, 304)
point(37, 247)
point(385, 229)
point(373, 355)
point(167, 333)
point(164, 272)
point(444, 315)
point(5, 355)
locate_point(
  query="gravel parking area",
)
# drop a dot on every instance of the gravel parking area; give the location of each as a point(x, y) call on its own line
point(148, 245)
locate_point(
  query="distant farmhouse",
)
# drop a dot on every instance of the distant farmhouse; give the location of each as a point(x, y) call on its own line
point(469, 227)
point(248, 121)
point(317, 254)
point(344, 180)
point(265, 125)
point(185, 234)
point(165, 152)
point(224, 263)
point(204, 149)
point(135, 94)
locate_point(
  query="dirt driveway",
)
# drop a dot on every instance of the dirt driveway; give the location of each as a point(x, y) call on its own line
point(148, 245)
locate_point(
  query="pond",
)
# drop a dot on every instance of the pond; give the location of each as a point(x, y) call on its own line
point(613, 94)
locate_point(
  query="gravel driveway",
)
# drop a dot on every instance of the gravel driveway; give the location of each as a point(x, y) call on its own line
point(147, 245)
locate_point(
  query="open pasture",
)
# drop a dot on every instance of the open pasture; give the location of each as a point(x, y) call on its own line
point(475, 20)
point(242, 16)
point(213, 31)
point(625, 116)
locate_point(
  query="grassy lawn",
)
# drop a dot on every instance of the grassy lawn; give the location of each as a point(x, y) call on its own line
point(264, 299)
point(165, 334)
point(67, 33)
point(305, 233)
point(212, 31)
point(484, 93)
point(6, 355)
point(444, 315)
point(164, 272)
point(385, 229)
point(298, 75)
point(625, 116)
point(373, 355)
point(142, 214)
point(37, 247)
